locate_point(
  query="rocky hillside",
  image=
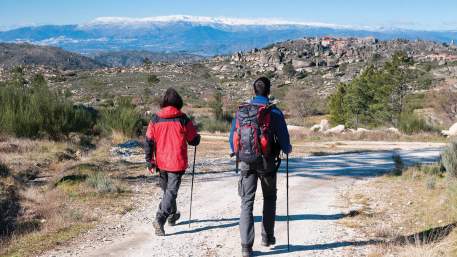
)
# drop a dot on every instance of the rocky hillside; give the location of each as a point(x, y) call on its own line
point(137, 58)
point(322, 63)
point(27, 55)
point(308, 68)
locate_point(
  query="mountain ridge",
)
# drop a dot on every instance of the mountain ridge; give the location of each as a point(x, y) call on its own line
point(200, 35)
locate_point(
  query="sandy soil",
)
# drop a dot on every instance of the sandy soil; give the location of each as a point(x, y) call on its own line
point(315, 186)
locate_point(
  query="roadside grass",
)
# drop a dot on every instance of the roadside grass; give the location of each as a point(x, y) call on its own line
point(71, 197)
point(412, 213)
point(37, 242)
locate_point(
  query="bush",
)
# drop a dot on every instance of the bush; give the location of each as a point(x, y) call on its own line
point(103, 184)
point(216, 106)
point(4, 170)
point(34, 111)
point(303, 103)
point(213, 125)
point(9, 201)
point(123, 118)
point(153, 79)
point(449, 159)
point(410, 124)
point(289, 70)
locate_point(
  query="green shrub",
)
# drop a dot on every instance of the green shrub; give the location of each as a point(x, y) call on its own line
point(9, 201)
point(103, 184)
point(35, 110)
point(217, 105)
point(410, 124)
point(4, 170)
point(213, 125)
point(449, 159)
point(289, 70)
point(123, 117)
point(153, 79)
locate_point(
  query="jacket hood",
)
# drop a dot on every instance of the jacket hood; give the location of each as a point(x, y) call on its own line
point(169, 112)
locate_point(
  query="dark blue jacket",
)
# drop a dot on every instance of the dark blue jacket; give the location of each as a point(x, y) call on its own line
point(278, 125)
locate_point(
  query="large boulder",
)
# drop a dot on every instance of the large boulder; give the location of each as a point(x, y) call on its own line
point(336, 130)
point(321, 127)
point(362, 130)
point(324, 125)
point(451, 132)
point(299, 64)
point(393, 130)
point(315, 128)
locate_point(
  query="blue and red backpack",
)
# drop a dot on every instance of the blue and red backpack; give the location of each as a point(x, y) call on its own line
point(253, 137)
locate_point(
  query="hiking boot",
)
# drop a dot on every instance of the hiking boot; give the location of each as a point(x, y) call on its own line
point(173, 218)
point(246, 251)
point(267, 241)
point(158, 228)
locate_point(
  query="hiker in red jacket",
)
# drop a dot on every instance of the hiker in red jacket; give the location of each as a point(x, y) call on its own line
point(168, 134)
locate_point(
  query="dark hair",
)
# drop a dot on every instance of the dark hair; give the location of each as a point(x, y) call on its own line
point(171, 98)
point(262, 86)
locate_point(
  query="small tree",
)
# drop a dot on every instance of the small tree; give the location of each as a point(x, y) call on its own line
point(289, 70)
point(336, 105)
point(216, 106)
point(153, 79)
point(147, 62)
point(304, 102)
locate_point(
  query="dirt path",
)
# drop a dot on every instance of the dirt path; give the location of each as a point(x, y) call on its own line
point(315, 183)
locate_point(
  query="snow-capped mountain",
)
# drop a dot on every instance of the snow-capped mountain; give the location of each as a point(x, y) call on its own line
point(194, 34)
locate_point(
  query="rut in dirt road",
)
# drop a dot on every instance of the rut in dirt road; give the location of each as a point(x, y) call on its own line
point(315, 183)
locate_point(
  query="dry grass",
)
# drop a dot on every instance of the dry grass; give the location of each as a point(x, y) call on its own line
point(53, 215)
point(407, 214)
point(117, 137)
point(34, 243)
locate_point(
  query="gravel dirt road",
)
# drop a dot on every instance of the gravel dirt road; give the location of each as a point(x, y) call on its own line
point(315, 208)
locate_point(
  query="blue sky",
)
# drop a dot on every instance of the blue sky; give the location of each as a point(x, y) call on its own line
point(416, 14)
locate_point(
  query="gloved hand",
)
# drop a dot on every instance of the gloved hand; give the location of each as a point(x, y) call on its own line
point(151, 166)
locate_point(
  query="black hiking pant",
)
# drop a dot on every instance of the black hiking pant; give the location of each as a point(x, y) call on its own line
point(169, 182)
point(247, 187)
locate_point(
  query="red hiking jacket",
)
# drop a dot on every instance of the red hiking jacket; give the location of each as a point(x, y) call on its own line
point(168, 134)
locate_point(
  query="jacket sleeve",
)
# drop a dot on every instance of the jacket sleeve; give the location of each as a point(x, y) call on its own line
point(279, 127)
point(192, 137)
point(149, 144)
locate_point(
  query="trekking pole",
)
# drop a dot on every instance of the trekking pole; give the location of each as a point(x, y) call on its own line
point(287, 199)
point(192, 186)
point(236, 164)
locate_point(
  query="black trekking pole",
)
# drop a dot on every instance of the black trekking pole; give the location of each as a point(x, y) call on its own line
point(236, 163)
point(192, 186)
point(287, 199)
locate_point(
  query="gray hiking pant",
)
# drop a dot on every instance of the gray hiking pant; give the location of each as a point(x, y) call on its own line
point(169, 182)
point(247, 187)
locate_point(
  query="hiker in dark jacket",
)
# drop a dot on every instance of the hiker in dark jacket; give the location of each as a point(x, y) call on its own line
point(168, 134)
point(264, 169)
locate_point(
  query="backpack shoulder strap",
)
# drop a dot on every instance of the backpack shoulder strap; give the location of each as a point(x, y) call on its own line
point(155, 118)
